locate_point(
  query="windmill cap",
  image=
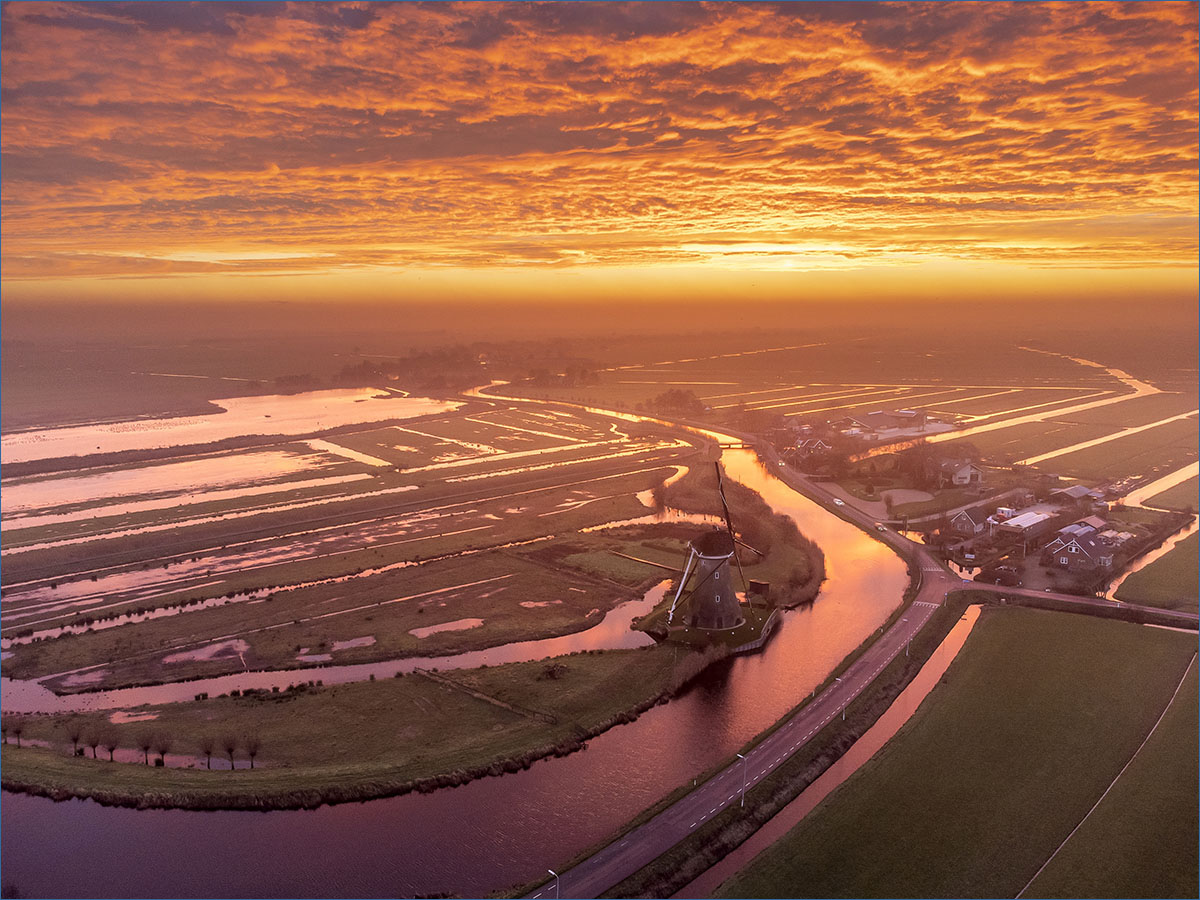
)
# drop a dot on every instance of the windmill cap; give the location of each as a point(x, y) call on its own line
point(713, 543)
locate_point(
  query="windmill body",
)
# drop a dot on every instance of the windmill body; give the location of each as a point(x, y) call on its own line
point(713, 603)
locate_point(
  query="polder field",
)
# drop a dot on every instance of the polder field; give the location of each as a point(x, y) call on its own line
point(1170, 581)
point(1034, 721)
point(423, 536)
point(1012, 404)
point(1180, 497)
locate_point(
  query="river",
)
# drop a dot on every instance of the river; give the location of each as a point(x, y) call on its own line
point(492, 833)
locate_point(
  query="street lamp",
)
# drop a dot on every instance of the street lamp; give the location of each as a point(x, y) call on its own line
point(555, 874)
point(743, 759)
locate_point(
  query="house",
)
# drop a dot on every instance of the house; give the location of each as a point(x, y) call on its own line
point(1110, 537)
point(1078, 492)
point(1080, 552)
point(970, 521)
point(809, 446)
point(882, 423)
point(954, 472)
point(1083, 497)
point(1027, 525)
point(1074, 530)
point(1074, 492)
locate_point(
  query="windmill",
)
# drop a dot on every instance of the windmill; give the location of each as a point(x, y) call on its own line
point(706, 585)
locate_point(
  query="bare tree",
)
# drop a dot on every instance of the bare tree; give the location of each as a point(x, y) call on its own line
point(253, 744)
point(74, 733)
point(17, 728)
point(110, 743)
point(93, 740)
point(145, 741)
point(162, 746)
point(4, 721)
point(229, 743)
point(207, 745)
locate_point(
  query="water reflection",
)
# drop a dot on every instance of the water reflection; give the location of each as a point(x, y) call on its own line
point(273, 414)
point(612, 632)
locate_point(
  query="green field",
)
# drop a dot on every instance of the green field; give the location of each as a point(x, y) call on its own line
point(1158, 450)
point(1170, 581)
point(1007, 445)
point(352, 740)
point(1139, 411)
point(312, 619)
point(1182, 496)
point(1003, 403)
point(1032, 723)
point(1141, 839)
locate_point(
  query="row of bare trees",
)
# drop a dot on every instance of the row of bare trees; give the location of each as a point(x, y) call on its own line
point(94, 738)
point(230, 744)
point(14, 725)
point(160, 743)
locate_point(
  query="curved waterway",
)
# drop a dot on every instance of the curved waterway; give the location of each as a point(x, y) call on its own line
point(492, 833)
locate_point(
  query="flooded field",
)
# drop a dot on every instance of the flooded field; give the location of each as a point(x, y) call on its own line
point(272, 414)
point(283, 555)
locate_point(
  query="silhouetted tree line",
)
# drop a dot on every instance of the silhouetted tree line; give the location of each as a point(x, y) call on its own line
point(675, 402)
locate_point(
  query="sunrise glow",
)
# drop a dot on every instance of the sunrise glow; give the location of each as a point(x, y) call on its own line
point(368, 147)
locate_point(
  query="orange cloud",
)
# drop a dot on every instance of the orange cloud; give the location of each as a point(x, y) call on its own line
point(194, 140)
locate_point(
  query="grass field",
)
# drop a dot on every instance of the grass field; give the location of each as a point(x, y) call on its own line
point(1012, 399)
point(1006, 445)
point(311, 620)
point(1182, 496)
point(1159, 450)
point(1033, 721)
point(359, 739)
point(1139, 411)
point(1170, 581)
point(1136, 843)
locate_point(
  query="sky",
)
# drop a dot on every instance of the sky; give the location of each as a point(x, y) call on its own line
point(590, 150)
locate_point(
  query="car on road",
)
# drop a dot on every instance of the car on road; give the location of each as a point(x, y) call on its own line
point(879, 527)
point(837, 502)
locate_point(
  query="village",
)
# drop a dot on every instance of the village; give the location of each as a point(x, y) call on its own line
point(992, 520)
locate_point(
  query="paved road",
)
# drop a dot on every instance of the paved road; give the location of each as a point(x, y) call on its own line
point(648, 841)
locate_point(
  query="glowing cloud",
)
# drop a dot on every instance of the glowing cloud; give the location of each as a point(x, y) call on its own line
point(188, 140)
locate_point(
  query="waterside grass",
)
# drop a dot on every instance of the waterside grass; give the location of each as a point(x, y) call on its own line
point(356, 741)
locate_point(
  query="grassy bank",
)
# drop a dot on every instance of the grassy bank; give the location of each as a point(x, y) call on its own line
point(355, 741)
point(1031, 724)
point(1169, 581)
